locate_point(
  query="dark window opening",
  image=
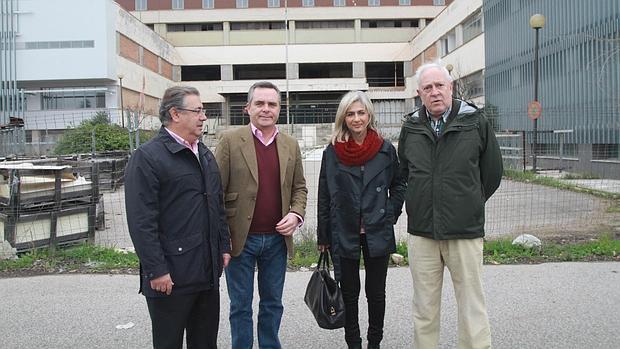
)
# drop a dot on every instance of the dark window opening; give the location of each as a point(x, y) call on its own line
point(604, 151)
point(385, 74)
point(399, 23)
point(257, 25)
point(325, 70)
point(259, 71)
point(323, 24)
point(306, 108)
point(194, 27)
point(201, 73)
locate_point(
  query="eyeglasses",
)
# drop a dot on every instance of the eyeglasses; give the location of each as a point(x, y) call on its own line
point(197, 111)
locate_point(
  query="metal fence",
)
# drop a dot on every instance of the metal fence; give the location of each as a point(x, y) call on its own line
point(517, 207)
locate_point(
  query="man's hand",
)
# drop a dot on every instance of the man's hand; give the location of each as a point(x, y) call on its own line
point(226, 259)
point(288, 224)
point(162, 284)
point(323, 248)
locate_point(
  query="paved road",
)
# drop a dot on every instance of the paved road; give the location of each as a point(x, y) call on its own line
point(554, 305)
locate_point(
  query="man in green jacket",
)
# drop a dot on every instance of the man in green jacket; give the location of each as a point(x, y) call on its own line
point(451, 158)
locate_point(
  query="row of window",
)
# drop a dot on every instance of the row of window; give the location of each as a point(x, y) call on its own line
point(377, 73)
point(142, 5)
point(72, 98)
point(279, 25)
point(472, 27)
point(43, 45)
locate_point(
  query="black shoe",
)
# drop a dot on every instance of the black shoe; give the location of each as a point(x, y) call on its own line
point(374, 346)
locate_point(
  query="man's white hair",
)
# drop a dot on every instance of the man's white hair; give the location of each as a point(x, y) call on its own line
point(427, 66)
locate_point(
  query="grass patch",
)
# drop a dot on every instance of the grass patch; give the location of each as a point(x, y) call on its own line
point(605, 248)
point(94, 259)
point(580, 176)
point(82, 258)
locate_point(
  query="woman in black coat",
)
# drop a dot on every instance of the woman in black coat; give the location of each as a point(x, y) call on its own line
point(360, 198)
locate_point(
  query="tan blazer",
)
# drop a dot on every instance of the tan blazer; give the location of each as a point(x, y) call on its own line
point(236, 156)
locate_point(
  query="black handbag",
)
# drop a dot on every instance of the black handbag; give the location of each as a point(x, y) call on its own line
point(324, 297)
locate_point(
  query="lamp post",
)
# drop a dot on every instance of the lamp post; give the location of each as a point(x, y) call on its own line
point(120, 81)
point(288, 115)
point(537, 21)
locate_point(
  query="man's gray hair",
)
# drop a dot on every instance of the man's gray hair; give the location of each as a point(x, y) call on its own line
point(427, 66)
point(263, 84)
point(174, 97)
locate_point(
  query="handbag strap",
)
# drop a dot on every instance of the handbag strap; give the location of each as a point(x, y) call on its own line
point(323, 262)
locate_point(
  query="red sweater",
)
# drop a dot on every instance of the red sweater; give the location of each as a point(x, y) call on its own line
point(268, 209)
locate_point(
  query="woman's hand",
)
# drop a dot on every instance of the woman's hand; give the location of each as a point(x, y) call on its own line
point(323, 248)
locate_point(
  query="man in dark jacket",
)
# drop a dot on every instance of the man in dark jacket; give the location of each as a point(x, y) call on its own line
point(449, 153)
point(177, 222)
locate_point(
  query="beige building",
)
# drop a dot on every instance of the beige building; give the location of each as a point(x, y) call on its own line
point(330, 47)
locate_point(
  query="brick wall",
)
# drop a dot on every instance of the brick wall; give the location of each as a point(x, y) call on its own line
point(129, 49)
point(150, 60)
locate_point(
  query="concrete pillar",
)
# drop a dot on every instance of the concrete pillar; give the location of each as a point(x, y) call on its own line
point(227, 72)
point(359, 70)
point(293, 71)
point(358, 30)
point(226, 27)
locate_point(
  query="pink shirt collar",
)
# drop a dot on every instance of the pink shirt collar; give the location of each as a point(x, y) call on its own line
point(259, 134)
point(191, 146)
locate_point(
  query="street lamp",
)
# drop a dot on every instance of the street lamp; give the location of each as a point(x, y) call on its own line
point(537, 21)
point(450, 68)
point(120, 81)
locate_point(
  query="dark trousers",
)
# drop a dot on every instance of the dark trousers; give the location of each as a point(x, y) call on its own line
point(376, 273)
point(197, 313)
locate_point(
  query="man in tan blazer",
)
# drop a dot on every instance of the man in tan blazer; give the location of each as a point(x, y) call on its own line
point(265, 198)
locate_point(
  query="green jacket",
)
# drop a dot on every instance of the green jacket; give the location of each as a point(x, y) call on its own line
point(449, 178)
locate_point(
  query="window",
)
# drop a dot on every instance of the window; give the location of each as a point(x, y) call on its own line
point(256, 25)
point(605, 151)
point(470, 86)
point(385, 74)
point(201, 73)
point(141, 5)
point(339, 3)
point(439, 2)
point(178, 4)
point(447, 43)
point(323, 24)
point(472, 26)
point(307, 3)
point(325, 70)
point(194, 27)
point(208, 4)
point(273, 3)
point(242, 3)
point(72, 98)
point(374, 3)
point(404, 2)
point(399, 23)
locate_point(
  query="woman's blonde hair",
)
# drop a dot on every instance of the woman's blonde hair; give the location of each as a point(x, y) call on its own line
point(341, 131)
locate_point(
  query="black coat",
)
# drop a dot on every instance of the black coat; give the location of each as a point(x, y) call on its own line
point(349, 194)
point(176, 216)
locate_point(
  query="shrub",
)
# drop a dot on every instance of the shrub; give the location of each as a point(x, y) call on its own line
point(107, 136)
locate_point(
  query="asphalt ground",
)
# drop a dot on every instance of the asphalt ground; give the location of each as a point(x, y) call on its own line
point(552, 305)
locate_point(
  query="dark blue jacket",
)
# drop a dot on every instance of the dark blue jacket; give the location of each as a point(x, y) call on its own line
point(175, 214)
point(349, 194)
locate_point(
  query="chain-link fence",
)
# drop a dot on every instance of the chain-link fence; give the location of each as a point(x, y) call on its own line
point(73, 197)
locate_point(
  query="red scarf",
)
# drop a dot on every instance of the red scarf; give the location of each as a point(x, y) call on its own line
point(353, 154)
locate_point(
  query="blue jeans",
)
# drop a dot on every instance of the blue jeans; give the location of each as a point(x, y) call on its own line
point(268, 252)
